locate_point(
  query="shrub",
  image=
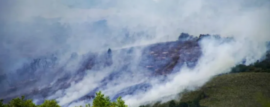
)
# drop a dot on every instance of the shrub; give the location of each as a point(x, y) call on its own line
point(99, 101)
point(49, 103)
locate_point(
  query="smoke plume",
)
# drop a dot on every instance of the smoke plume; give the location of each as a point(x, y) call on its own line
point(68, 31)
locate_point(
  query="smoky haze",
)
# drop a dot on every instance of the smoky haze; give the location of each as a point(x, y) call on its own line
point(70, 30)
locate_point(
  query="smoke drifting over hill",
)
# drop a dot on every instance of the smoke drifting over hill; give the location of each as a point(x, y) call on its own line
point(61, 35)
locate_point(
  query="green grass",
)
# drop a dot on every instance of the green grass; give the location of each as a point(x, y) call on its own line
point(234, 90)
point(247, 89)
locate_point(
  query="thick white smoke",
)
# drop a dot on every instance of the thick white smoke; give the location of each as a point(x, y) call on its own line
point(217, 59)
point(33, 28)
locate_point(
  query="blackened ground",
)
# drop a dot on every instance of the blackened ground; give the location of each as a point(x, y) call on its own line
point(156, 60)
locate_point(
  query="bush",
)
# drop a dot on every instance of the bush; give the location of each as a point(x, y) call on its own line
point(19, 102)
point(49, 103)
point(99, 101)
point(102, 101)
point(259, 66)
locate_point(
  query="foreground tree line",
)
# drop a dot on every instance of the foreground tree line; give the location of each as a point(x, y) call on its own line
point(99, 101)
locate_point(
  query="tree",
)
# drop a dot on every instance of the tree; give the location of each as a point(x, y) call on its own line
point(172, 103)
point(1, 103)
point(120, 102)
point(21, 102)
point(101, 101)
point(49, 103)
point(87, 105)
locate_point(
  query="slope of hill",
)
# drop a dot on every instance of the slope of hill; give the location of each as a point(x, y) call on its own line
point(156, 60)
point(245, 86)
point(247, 89)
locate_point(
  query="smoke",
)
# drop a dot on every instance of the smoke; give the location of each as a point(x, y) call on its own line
point(32, 29)
point(217, 59)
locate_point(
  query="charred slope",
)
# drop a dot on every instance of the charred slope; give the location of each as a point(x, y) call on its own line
point(155, 60)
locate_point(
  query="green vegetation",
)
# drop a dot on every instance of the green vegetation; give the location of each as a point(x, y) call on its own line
point(259, 66)
point(192, 103)
point(99, 101)
point(247, 89)
point(264, 101)
point(22, 102)
point(102, 101)
point(49, 103)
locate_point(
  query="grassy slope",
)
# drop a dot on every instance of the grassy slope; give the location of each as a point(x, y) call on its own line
point(233, 90)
